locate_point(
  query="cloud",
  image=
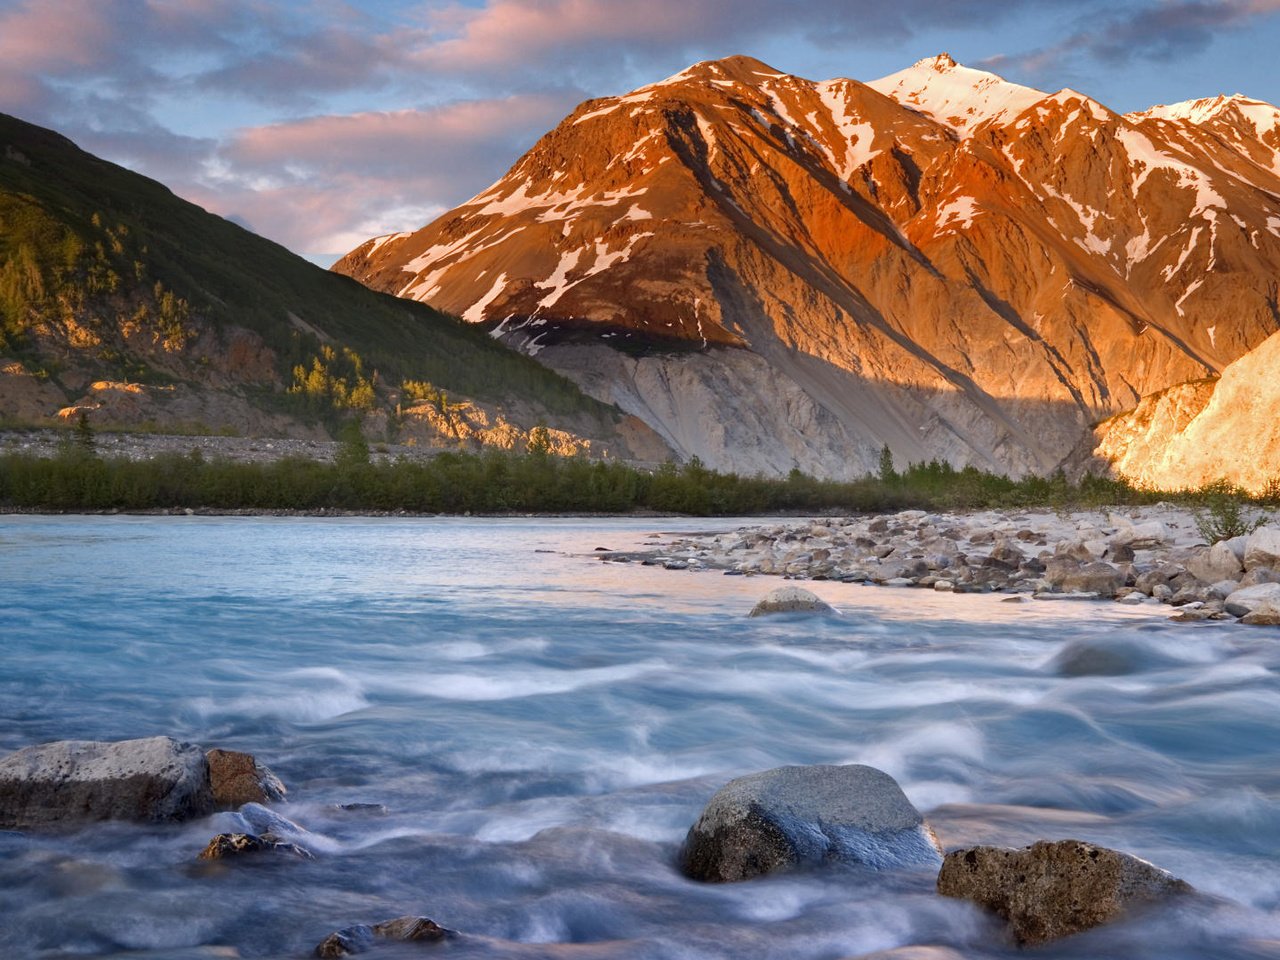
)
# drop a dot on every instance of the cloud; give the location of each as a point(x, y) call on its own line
point(322, 121)
point(1162, 31)
point(328, 183)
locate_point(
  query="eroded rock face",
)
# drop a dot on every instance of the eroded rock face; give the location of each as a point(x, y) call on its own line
point(154, 779)
point(791, 600)
point(362, 936)
point(791, 816)
point(1053, 889)
point(237, 778)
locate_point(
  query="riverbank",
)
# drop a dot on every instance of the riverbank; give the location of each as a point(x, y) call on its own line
point(1143, 554)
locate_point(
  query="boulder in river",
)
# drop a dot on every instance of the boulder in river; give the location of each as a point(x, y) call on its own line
point(791, 600)
point(226, 845)
point(238, 778)
point(1052, 889)
point(362, 936)
point(154, 779)
point(806, 815)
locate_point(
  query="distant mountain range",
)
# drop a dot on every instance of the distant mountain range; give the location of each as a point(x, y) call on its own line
point(120, 300)
point(773, 272)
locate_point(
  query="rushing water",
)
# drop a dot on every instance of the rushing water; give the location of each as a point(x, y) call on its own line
point(543, 728)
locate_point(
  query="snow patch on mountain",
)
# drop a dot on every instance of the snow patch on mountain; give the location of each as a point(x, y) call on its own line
point(957, 97)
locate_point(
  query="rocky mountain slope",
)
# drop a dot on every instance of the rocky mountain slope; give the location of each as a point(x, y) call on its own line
point(1194, 433)
point(774, 272)
point(122, 301)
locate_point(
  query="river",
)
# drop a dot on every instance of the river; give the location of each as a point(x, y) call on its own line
point(542, 728)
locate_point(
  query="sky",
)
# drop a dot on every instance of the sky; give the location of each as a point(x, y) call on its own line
point(321, 124)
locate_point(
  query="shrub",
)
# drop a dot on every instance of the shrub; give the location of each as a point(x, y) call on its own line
point(1221, 512)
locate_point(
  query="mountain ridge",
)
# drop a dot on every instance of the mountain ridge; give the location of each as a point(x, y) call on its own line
point(945, 277)
point(126, 303)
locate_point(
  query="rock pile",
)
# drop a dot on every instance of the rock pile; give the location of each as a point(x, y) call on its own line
point(1151, 553)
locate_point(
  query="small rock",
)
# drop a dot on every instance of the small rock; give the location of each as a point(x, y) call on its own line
point(944, 586)
point(899, 582)
point(791, 600)
point(226, 845)
point(806, 815)
point(237, 778)
point(1052, 889)
point(360, 937)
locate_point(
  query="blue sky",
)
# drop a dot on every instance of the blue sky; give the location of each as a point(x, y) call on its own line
point(320, 124)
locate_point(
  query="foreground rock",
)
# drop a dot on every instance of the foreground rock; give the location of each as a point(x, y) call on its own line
point(362, 936)
point(238, 778)
point(155, 780)
point(1053, 889)
point(227, 845)
point(791, 600)
point(793, 816)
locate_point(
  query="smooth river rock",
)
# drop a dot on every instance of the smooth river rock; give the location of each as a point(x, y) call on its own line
point(791, 600)
point(807, 815)
point(1052, 889)
point(155, 779)
point(1244, 601)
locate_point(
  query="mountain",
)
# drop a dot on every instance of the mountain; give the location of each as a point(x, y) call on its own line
point(1195, 433)
point(774, 272)
point(123, 301)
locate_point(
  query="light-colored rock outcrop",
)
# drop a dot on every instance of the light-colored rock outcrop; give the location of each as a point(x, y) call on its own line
point(1053, 889)
point(1200, 432)
point(806, 815)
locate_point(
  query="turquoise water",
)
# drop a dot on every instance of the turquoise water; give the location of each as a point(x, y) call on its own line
point(543, 728)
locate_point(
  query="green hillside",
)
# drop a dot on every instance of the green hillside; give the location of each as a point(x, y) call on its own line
point(91, 247)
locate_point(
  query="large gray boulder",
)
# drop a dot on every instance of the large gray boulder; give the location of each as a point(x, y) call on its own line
point(1212, 564)
point(1098, 577)
point(1052, 889)
point(155, 779)
point(1244, 601)
point(791, 600)
point(1262, 549)
point(790, 816)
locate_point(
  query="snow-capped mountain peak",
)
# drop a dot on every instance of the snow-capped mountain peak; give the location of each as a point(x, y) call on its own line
point(956, 96)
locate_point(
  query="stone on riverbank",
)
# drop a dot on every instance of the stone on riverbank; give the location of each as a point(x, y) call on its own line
point(791, 600)
point(1244, 601)
point(362, 936)
point(238, 778)
point(808, 815)
point(1262, 549)
point(154, 779)
point(1052, 889)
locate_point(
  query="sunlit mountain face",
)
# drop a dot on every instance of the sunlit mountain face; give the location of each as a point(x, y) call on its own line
point(775, 272)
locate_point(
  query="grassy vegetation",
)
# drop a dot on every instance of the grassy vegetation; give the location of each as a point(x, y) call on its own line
point(533, 482)
point(85, 238)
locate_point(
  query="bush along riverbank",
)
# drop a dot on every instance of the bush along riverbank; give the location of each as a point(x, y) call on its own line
point(79, 478)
